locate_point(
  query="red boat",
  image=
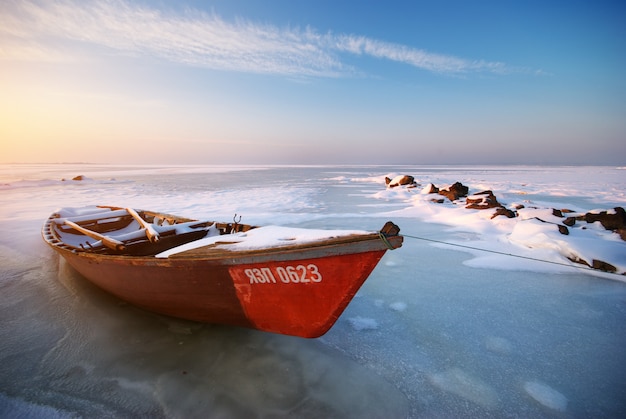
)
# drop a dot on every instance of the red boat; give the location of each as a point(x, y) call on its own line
point(277, 279)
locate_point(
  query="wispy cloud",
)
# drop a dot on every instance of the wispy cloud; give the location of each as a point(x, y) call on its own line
point(419, 58)
point(30, 30)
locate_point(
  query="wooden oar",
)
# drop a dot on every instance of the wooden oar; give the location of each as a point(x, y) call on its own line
point(151, 233)
point(109, 242)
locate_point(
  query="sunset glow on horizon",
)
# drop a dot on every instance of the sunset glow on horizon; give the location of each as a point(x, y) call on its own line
point(312, 82)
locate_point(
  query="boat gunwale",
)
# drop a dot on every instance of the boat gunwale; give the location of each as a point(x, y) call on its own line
point(212, 252)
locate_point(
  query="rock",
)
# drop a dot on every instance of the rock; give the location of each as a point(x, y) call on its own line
point(485, 200)
point(79, 177)
point(614, 221)
point(595, 264)
point(482, 200)
point(455, 191)
point(503, 211)
point(401, 180)
point(570, 221)
point(430, 189)
point(576, 259)
point(603, 266)
point(559, 212)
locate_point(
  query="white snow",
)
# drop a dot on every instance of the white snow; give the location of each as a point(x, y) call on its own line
point(262, 238)
point(398, 306)
point(525, 235)
point(546, 395)
point(462, 384)
point(363, 323)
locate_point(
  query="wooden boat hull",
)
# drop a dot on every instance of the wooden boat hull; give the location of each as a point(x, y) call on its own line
point(298, 291)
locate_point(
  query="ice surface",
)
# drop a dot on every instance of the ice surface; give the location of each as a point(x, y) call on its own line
point(437, 330)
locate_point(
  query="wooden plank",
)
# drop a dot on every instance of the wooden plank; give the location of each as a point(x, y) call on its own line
point(109, 242)
point(151, 233)
point(94, 216)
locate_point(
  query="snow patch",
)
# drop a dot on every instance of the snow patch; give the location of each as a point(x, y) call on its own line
point(263, 237)
point(546, 395)
point(498, 345)
point(363, 323)
point(462, 384)
point(398, 306)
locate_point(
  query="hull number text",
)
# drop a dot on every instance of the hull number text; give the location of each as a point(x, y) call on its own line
point(288, 274)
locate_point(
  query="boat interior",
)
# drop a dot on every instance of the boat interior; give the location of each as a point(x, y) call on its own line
point(125, 231)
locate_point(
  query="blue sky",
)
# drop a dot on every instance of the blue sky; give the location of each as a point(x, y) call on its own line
point(313, 82)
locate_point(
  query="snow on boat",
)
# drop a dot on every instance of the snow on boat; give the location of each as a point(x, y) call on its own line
point(284, 280)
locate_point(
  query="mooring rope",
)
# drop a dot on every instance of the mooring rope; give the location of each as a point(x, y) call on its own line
point(583, 267)
point(384, 239)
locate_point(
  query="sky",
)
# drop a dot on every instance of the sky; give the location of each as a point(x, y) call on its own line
point(313, 82)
